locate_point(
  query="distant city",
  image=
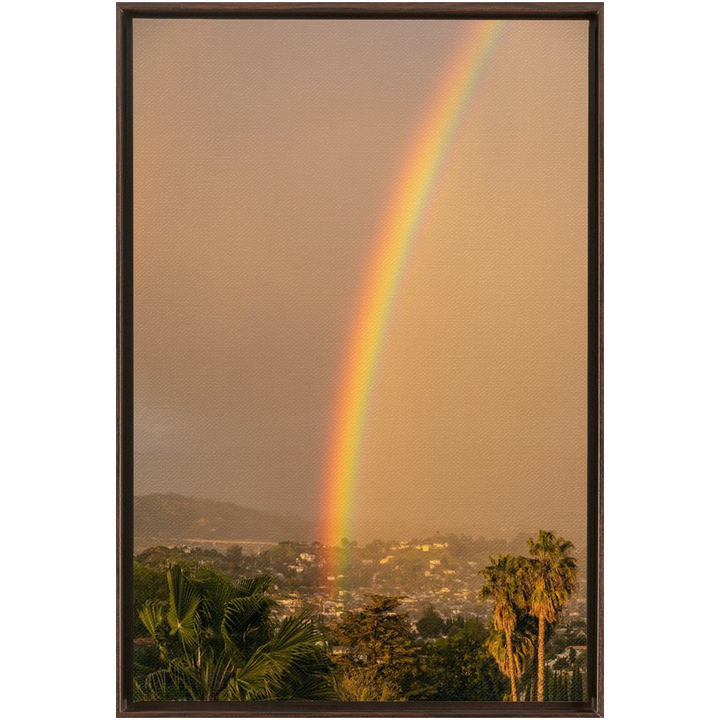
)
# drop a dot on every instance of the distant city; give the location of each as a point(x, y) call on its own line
point(440, 571)
point(446, 617)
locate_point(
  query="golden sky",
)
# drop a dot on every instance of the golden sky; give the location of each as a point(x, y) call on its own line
point(266, 153)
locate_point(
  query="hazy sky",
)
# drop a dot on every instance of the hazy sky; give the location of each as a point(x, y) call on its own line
point(266, 153)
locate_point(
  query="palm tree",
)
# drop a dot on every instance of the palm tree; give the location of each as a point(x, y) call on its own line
point(215, 639)
point(523, 651)
point(504, 584)
point(551, 577)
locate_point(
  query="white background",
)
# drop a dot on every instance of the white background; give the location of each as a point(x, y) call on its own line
point(58, 359)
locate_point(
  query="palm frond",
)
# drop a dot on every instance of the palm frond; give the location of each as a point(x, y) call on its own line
point(151, 614)
point(258, 585)
point(216, 639)
point(552, 575)
point(154, 685)
point(255, 680)
point(295, 637)
point(523, 650)
point(185, 598)
point(214, 673)
point(246, 622)
point(278, 663)
point(216, 592)
point(310, 686)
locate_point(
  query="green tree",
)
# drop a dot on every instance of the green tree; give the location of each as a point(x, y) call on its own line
point(430, 624)
point(504, 585)
point(461, 668)
point(219, 640)
point(576, 685)
point(366, 684)
point(551, 685)
point(556, 686)
point(378, 637)
point(551, 580)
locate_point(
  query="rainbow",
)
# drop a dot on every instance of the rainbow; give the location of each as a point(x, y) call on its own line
point(407, 209)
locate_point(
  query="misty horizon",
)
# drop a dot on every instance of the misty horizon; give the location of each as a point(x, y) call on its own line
point(394, 534)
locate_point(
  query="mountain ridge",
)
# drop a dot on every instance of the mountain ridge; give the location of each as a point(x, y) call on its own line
point(171, 515)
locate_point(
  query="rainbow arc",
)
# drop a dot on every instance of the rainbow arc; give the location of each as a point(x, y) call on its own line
point(408, 207)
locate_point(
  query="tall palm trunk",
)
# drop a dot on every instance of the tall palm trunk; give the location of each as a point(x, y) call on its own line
point(541, 659)
point(511, 664)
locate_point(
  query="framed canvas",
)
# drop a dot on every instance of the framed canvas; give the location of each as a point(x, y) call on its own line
point(359, 359)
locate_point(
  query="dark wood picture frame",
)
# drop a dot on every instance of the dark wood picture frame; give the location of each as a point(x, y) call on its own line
point(126, 12)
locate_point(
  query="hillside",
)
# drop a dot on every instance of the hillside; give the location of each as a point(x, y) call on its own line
point(171, 516)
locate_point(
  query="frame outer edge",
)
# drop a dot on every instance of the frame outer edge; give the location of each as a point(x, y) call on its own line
point(601, 356)
point(125, 12)
point(124, 358)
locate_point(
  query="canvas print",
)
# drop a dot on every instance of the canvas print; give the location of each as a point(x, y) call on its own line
point(360, 298)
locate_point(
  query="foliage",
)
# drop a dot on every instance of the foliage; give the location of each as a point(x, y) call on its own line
point(461, 668)
point(558, 687)
point(523, 656)
point(378, 637)
point(573, 633)
point(539, 586)
point(430, 624)
point(551, 577)
point(505, 585)
point(197, 652)
point(215, 639)
point(576, 685)
point(147, 585)
point(365, 684)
